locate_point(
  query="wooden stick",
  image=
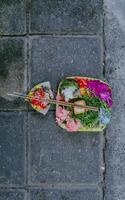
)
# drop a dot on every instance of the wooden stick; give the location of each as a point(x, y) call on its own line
point(70, 104)
point(61, 102)
point(52, 101)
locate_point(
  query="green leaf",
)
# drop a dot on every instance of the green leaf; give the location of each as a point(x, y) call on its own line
point(89, 118)
point(94, 101)
point(68, 83)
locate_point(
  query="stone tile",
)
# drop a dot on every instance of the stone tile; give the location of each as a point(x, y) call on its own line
point(85, 194)
point(12, 71)
point(11, 195)
point(58, 156)
point(12, 148)
point(115, 73)
point(115, 158)
point(12, 17)
point(66, 17)
point(114, 193)
point(54, 58)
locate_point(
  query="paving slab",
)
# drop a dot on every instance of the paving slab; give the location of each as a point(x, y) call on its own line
point(11, 195)
point(54, 58)
point(12, 17)
point(66, 17)
point(12, 148)
point(12, 71)
point(114, 193)
point(59, 157)
point(115, 73)
point(85, 194)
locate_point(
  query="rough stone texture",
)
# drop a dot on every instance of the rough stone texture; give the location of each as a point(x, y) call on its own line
point(11, 195)
point(114, 193)
point(12, 71)
point(85, 194)
point(66, 17)
point(54, 58)
point(12, 17)
point(11, 148)
point(115, 72)
point(57, 156)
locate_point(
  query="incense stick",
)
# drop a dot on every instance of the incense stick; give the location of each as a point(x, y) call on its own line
point(52, 101)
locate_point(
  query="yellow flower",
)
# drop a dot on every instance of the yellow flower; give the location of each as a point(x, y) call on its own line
point(84, 92)
point(30, 94)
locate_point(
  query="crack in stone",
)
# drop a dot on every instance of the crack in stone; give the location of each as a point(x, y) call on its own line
point(104, 134)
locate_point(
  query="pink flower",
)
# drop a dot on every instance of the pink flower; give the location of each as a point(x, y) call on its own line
point(58, 98)
point(64, 115)
point(72, 125)
point(61, 114)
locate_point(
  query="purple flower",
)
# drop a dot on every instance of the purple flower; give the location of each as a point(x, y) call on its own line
point(101, 90)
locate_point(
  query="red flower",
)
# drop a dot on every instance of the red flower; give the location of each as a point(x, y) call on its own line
point(39, 93)
point(82, 82)
point(37, 102)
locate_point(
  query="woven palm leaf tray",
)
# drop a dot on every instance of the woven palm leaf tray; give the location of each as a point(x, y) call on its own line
point(84, 91)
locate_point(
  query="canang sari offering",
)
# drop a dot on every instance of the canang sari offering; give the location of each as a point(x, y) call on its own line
point(87, 92)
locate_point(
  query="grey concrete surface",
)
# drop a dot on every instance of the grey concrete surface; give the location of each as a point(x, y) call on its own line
point(12, 148)
point(13, 72)
point(12, 195)
point(89, 194)
point(66, 16)
point(60, 157)
point(115, 73)
point(54, 58)
point(12, 17)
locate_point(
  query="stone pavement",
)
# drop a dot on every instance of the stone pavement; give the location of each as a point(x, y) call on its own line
point(48, 40)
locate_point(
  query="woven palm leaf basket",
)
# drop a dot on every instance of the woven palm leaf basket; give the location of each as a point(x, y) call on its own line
point(87, 92)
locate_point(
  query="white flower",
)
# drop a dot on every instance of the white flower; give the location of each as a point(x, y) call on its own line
point(69, 93)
